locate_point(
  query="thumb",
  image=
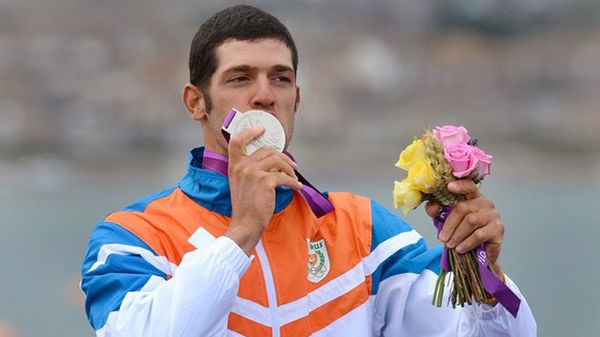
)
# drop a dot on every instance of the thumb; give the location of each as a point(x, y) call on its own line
point(238, 142)
point(432, 209)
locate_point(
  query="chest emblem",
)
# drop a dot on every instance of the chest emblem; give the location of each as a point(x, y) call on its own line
point(318, 261)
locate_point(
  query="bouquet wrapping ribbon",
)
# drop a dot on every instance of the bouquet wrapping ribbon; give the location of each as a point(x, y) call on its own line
point(490, 282)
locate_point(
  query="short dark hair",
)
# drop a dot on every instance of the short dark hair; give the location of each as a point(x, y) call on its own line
point(240, 22)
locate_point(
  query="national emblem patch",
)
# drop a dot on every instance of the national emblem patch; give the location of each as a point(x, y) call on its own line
point(318, 261)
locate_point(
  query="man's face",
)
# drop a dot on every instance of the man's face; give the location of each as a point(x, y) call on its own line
point(251, 75)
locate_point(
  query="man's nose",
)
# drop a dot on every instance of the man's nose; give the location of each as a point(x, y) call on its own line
point(263, 96)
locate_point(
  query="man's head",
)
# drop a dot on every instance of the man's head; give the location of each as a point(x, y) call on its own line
point(243, 58)
point(242, 22)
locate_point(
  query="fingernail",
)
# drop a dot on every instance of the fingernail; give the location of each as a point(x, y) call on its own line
point(460, 249)
point(450, 244)
point(452, 185)
point(443, 237)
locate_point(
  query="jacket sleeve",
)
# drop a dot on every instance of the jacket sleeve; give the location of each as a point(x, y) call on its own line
point(403, 281)
point(130, 291)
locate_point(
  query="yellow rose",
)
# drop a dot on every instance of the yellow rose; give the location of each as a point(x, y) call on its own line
point(422, 176)
point(411, 155)
point(405, 195)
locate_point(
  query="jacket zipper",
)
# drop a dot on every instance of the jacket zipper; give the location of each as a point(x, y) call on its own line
point(270, 284)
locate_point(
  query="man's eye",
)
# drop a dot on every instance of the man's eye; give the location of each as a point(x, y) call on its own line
point(282, 79)
point(238, 79)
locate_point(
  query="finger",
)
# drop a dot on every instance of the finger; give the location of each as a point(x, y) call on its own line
point(470, 223)
point(432, 209)
point(497, 270)
point(262, 153)
point(267, 151)
point(478, 237)
point(464, 186)
point(238, 142)
point(276, 163)
point(282, 179)
point(455, 217)
point(493, 252)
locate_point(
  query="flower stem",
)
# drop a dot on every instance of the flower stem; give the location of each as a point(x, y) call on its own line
point(440, 294)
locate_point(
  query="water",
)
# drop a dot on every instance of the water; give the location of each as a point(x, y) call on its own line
point(552, 231)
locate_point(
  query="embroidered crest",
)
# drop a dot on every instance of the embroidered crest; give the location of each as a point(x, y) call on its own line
point(318, 261)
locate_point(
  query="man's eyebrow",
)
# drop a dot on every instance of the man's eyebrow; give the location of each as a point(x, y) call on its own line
point(282, 68)
point(240, 68)
point(247, 68)
point(244, 68)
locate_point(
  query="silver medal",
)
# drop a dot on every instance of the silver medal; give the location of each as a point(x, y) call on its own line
point(274, 135)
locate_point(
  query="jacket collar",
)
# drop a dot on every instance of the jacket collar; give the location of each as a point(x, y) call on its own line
point(211, 190)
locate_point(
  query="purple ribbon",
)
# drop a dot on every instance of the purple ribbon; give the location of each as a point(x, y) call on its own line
point(318, 203)
point(214, 162)
point(491, 283)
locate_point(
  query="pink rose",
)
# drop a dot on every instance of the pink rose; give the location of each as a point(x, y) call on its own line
point(461, 158)
point(484, 162)
point(450, 134)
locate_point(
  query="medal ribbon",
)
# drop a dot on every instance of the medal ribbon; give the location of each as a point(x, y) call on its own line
point(318, 203)
point(490, 282)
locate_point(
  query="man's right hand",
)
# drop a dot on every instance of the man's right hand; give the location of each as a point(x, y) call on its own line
point(252, 182)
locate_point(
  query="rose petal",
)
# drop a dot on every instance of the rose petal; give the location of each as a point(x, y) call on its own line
point(450, 134)
point(461, 158)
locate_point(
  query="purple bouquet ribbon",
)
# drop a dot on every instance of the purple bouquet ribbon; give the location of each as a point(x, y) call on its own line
point(317, 202)
point(491, 283)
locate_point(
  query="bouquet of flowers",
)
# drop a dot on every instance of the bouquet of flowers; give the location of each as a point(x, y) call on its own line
point(440, 156)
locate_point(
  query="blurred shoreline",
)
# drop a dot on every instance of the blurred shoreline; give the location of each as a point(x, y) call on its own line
point(157, 169)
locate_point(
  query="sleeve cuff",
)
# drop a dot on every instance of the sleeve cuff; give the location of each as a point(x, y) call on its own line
point(231, 253)
point(487, 312)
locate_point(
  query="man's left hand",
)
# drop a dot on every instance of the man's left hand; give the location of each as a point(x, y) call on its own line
point(472, 222)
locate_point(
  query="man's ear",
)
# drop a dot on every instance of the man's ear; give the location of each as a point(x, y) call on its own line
point(297, 103)
point(193, 100)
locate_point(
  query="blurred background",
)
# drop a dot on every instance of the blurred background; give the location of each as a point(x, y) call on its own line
point(91, 120)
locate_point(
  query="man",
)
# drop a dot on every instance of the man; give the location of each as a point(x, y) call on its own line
point(226, 252)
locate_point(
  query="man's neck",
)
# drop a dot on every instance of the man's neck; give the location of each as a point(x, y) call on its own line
point(213, 147)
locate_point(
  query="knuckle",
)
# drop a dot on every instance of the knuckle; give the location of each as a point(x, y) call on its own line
point(247, 171)
point(271, 183)
point(261, 176)
point(472, 219)
point(501, 227)
point(462, 207)
point(236, 140)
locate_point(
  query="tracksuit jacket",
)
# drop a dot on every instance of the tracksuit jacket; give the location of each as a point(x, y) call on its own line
point(162, 267)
